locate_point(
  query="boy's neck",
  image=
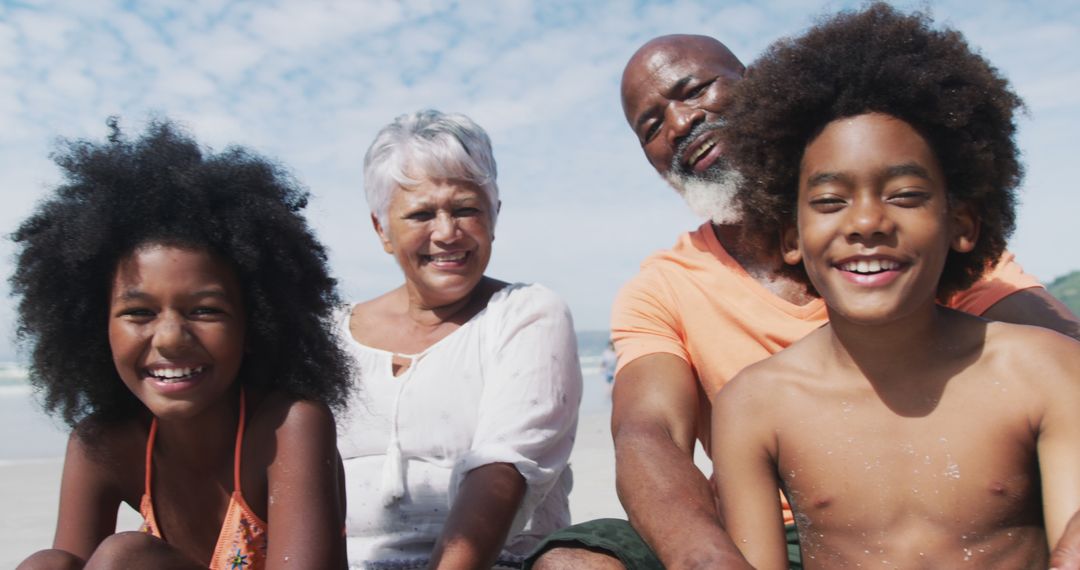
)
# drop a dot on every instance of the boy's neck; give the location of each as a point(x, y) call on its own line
point(911, 356)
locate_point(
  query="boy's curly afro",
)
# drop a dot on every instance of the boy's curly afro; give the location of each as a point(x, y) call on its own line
point(878, 60)
point(163, 188)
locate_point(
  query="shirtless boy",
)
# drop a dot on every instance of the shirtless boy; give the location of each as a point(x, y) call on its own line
point(906, 435)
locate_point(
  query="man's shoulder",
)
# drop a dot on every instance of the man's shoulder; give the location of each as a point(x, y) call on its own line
point(691, 258)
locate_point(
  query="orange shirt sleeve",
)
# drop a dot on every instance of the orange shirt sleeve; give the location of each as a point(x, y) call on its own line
point(1003, 279)
point(642, 320)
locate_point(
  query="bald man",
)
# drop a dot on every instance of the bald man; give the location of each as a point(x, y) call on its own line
point(697, 314)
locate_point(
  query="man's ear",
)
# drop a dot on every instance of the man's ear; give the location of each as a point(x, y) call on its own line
point(789, 245)
point(383, 237)
point(965, 228)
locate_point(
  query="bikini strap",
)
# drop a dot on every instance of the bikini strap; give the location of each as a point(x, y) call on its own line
point(236, 450)
point(150, 453)
point(239, 444)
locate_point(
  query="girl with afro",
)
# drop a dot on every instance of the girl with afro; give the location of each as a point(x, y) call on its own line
point(879, 152)
point(176, 309)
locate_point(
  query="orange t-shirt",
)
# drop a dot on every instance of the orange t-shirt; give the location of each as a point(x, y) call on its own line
point(696, 302)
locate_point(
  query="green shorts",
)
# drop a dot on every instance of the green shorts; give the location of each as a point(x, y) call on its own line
point(617, 538)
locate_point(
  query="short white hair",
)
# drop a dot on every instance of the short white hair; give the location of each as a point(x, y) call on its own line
point(428, 144)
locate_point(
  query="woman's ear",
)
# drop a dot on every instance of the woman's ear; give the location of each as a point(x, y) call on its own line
point(965, 228)
point(383, 236)
point(789, 245)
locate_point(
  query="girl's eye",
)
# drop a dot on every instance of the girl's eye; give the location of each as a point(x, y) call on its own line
point(827, 204)
point(207, 311)
point(137, 314)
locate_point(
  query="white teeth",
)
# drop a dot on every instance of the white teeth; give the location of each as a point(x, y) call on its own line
point(870, 266)
point(449, 257)
point(173, 374)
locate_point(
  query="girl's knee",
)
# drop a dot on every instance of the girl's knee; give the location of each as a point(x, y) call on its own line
point(121, 550)
point(51, 559)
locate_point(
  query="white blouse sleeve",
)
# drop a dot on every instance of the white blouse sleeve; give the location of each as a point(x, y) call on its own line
point(532, 389)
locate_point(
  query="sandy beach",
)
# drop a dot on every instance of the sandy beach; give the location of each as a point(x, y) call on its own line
point(31, 490)
point(32, 449)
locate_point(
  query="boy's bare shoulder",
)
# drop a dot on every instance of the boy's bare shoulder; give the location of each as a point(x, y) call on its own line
point(1036, 354)
point(800, 361)
point(783, 377)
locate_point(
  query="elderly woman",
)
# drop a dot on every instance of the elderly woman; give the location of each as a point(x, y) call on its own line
point(455, 455)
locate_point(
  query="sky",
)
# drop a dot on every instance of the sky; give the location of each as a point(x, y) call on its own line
point(310, 82)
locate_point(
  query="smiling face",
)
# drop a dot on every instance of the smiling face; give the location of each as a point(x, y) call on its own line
point(874, 225)
point(176, 328)
point(673, 91)
point(440, 233)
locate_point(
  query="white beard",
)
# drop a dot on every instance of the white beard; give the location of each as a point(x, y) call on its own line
point(712, 198)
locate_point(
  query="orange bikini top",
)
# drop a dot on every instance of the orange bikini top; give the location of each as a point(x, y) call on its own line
point(242, 541)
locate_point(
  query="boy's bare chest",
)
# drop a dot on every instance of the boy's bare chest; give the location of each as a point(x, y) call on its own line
point(965, 462)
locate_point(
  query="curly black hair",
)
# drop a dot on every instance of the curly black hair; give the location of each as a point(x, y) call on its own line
point(879, 60)
point(163, 188)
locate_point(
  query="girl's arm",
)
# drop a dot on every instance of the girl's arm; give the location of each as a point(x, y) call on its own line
point(305, 509)
point(744, 474)
point(478, 523)
point(89, 498)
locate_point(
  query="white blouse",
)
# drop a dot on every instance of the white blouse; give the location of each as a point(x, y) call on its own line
point(502, 388)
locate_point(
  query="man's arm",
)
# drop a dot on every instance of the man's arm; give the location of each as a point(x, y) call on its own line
point(1035, 306)
point(669, 501)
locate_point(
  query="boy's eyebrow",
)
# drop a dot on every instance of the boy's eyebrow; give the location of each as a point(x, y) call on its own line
point(895, 171)
point(820, 178)
point(907, 169)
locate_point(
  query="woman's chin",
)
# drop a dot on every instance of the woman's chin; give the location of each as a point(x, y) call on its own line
point(446, 289)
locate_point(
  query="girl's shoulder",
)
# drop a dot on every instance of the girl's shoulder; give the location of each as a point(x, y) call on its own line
point(111, 454)
point(276, 417)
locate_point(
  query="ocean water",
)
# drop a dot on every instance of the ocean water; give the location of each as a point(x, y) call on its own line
point(26, 433)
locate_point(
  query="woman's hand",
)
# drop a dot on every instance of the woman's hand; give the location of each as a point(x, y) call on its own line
point(480, 518)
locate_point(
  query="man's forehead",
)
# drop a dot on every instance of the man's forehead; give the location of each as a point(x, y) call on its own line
point(665, 60)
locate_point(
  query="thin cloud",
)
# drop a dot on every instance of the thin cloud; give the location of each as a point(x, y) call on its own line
point(309, 82)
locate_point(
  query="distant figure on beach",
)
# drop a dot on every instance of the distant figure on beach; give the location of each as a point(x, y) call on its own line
point(880, 152)
point(177, 311)
point(702, 311)
point(469, 386)
point(607, 365)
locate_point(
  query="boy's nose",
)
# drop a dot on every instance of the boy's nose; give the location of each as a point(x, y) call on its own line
point(867, 218)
